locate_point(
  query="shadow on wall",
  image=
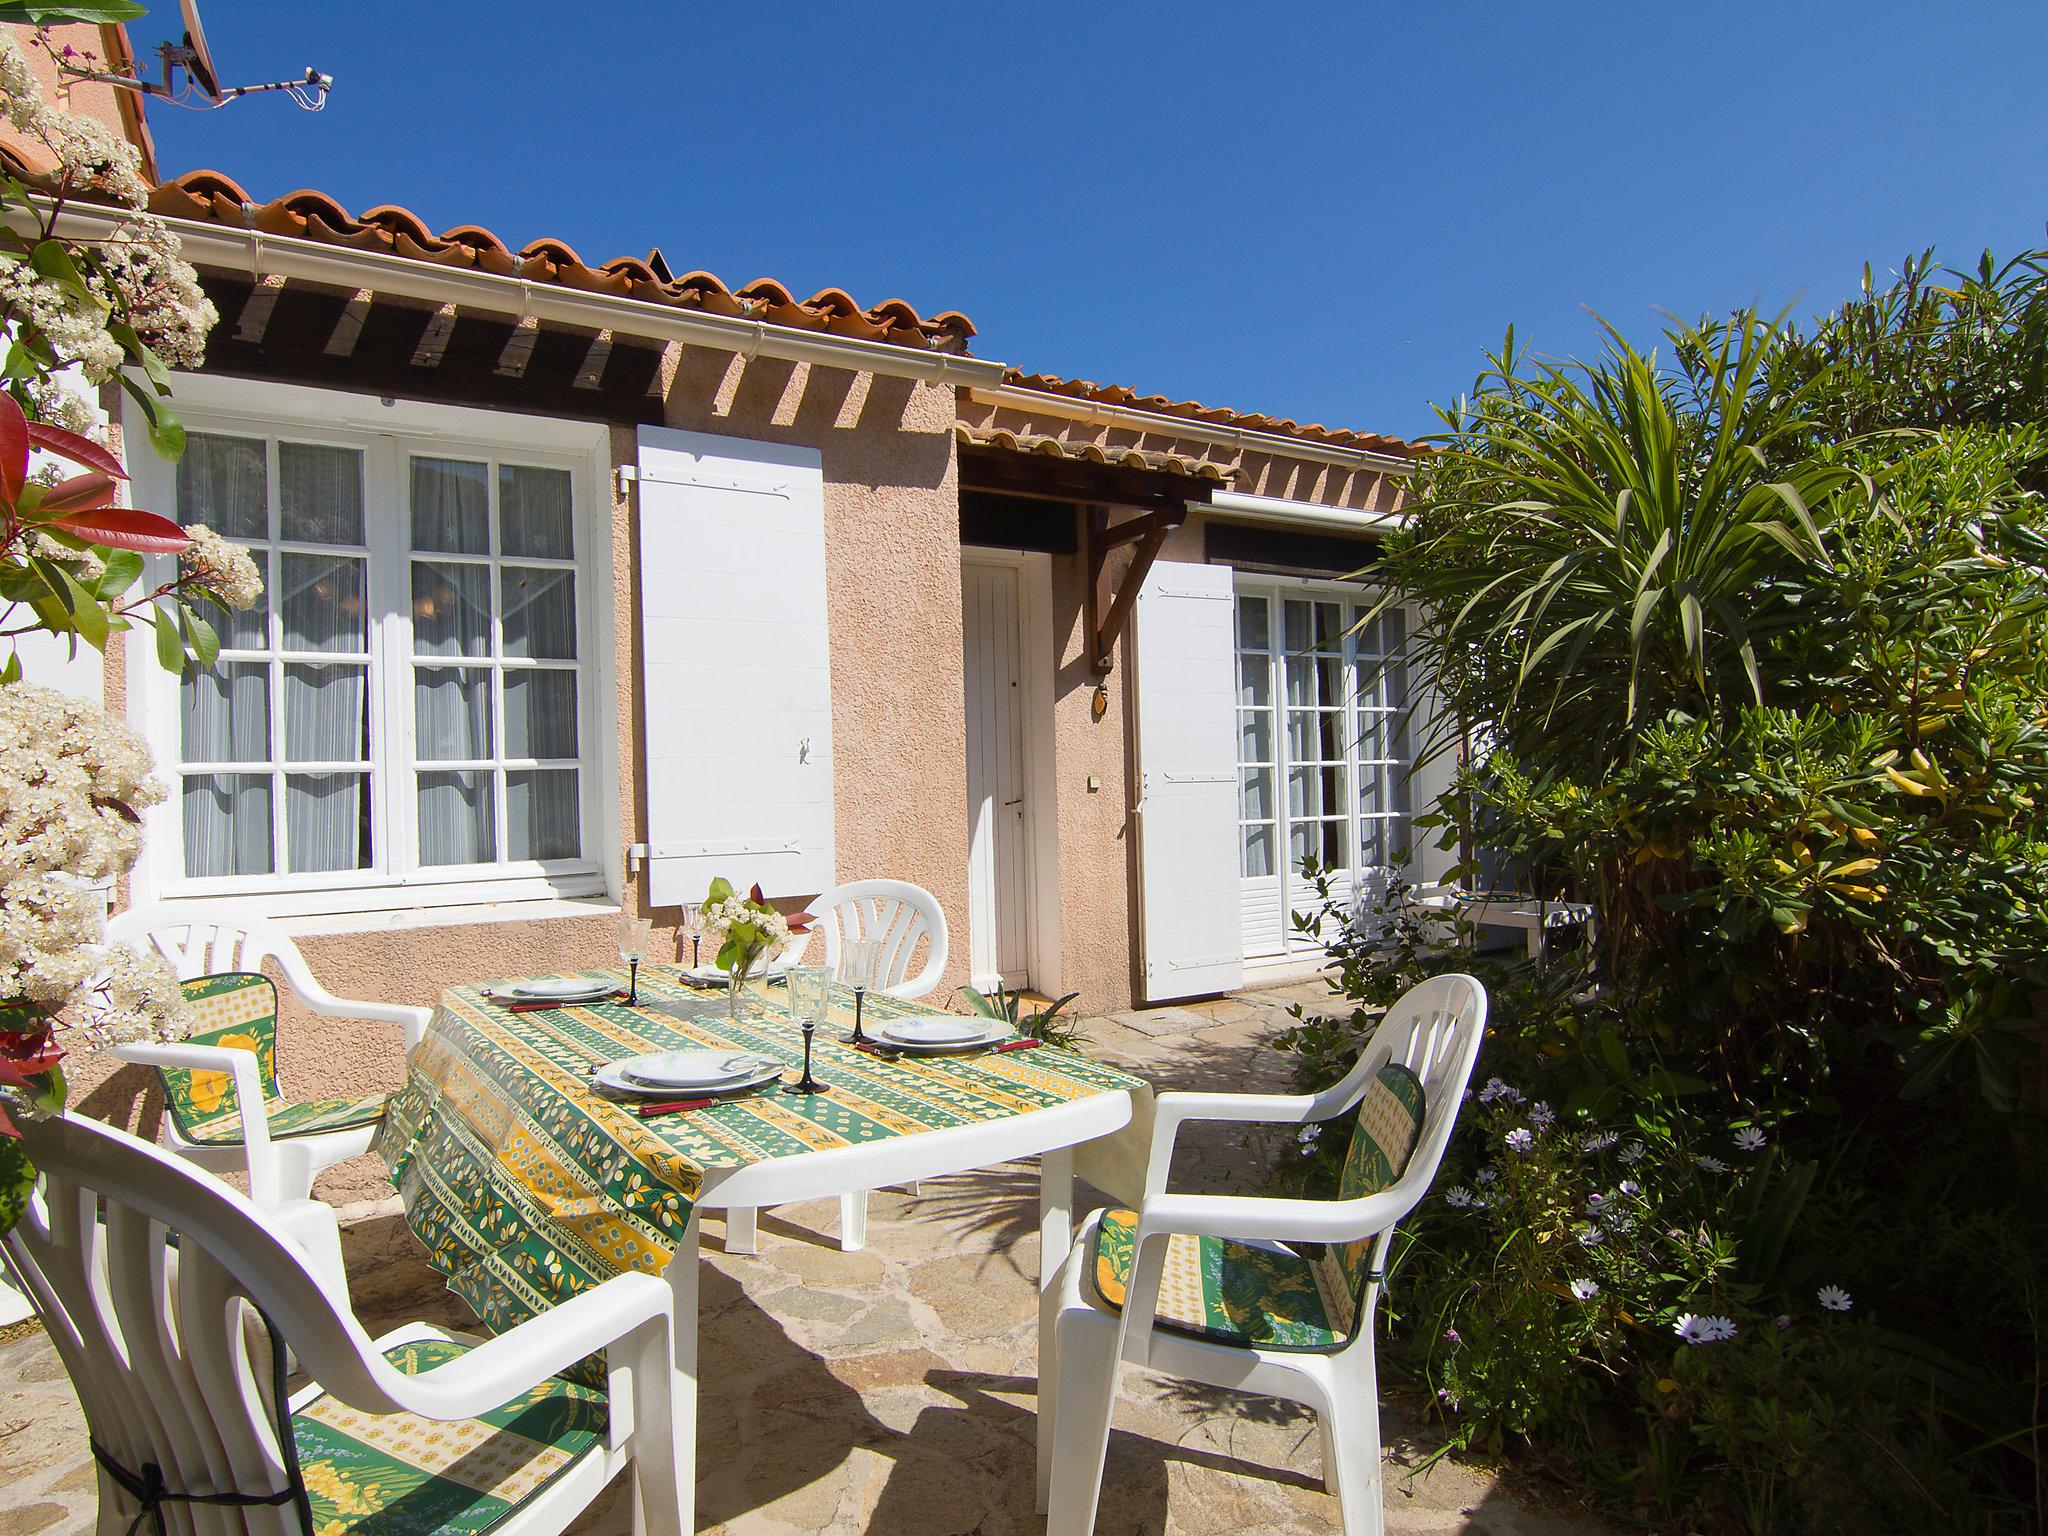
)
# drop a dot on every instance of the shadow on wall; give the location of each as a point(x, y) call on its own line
point(778, 400)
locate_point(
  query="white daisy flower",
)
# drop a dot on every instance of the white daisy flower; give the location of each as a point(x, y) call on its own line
point(1703, 1330)
point(1634, 1152)
point(1628, 1187)
point(1835, 1299)
point(1591, 1236)
point(1600, 1141)
point(1585, 1290)
point(1519, 1140)
point(1542, 1116)
point(1712, 1164)
point(1595, 1204)
point(1308, 1134)
point(1749, 1139)
point(1487, 1174)
point(1457, 1197)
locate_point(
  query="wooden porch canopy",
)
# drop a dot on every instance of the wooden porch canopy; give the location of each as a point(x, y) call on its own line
point(313, 333)
point(1152, 491)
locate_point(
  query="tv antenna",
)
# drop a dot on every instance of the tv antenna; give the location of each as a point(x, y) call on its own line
point(200, 87)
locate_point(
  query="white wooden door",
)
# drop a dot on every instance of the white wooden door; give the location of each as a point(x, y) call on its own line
point(1191, 932)
point(998, 808)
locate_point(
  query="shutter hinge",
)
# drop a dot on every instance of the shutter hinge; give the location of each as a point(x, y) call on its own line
point(624, 475)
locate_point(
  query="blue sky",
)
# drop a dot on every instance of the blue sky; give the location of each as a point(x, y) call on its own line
point(1323, 211)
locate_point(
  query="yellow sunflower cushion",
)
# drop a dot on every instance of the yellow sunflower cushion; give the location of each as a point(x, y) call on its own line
point(1263, 1294)
point(238, 1009)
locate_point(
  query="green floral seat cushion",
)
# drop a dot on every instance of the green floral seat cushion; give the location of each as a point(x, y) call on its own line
point(238, 1009)
point(1225, 1292)
point(1249, 1294)
point(402, 1475)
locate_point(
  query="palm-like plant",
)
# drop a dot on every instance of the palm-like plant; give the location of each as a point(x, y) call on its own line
point(1601, 545)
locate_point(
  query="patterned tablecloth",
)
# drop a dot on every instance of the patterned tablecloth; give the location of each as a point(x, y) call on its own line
point(526, 1186)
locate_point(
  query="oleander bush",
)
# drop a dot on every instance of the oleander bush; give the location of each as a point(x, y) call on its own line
point(1746, 643)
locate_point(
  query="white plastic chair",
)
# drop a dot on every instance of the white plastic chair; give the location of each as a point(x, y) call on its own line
point(1434, 1031)
point(178, 1356)
point(896, 915)
point(279, 1169)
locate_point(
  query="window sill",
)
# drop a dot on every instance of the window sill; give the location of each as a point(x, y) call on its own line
point(387, 909)
point(538, 909)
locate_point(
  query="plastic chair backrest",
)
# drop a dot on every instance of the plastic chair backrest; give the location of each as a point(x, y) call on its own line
point(897, 916)
point(223, 940)
point(170, 1365)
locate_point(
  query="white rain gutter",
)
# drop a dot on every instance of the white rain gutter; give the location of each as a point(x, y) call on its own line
point(1038, 402)
point(262, 255)
point(1236, 507)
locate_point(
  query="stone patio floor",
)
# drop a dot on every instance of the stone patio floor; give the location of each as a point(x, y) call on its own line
point(893, 1390)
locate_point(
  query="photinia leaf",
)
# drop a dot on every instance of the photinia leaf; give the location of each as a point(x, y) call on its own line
point(45, 13)
point(119, 571)
point(70, 445)
point(14, 436)
point(128, 528)
point(170, 650)
point(81, 493)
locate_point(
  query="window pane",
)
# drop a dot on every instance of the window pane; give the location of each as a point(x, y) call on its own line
point(1258, 852)
point(227, 824)
point(1254, 680)
point(534, 512)
point(322, 603)
point(451, 508)
point(452, 713)
point(1329, 627)
point(455, 819)
point(1315, 792)
point(319, 494)
point(227, 714)
point(1336, 854)
point(1255, 794)
point(221, 483)
point(241, 629)
point(326, 713)
point(540, 713)
point(539, 611)
point(451, 609)
point(541, 814)
point(1255, 736)
point(1315, 681)
point(1380, 840)
point(1300, 843)
point(327, 822)
point(1316, 735)
point(1252, 620)
point(1296, 637)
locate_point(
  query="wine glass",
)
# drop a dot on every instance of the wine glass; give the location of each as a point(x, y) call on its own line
point(857, 959)
point(810, 995)
point(693, 925)
point(634, 936)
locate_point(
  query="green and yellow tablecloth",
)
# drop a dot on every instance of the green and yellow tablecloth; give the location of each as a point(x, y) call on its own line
point(527, 1186)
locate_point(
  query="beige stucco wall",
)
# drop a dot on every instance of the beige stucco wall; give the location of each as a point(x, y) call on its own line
point(893, 564)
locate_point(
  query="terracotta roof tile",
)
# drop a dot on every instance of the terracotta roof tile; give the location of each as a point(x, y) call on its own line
point(1089, 453)
point(310, 215)
point(1215, 415)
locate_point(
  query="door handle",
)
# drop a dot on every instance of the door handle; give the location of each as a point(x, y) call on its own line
point(1008, 803)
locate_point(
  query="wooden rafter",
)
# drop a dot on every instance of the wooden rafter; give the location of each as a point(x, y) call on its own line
point(433, 342)
point(1110, 600)
point(342, 341)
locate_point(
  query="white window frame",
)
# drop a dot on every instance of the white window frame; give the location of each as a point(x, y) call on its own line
point(1291, 889)
point(390, 431)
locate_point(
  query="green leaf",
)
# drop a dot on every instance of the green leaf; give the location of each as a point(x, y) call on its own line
point(170, 650)
point(11, 672)
point(54, 262)
point(35, 13)
point(123, 570)
point(721, 890)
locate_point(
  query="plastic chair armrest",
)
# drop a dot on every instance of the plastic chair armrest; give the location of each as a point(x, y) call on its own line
point(411, 1019)
point(1272, 1220)
point(245, 1083)
point(494, 1372)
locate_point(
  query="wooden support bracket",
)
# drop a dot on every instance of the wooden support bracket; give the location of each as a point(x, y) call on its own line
point(1110, 601)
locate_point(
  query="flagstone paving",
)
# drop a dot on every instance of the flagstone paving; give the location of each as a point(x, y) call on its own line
point(893, 1390)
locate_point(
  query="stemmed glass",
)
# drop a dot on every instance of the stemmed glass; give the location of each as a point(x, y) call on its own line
point(693, 925)
point(810, 995)
point(857, 970)
point(634, 934)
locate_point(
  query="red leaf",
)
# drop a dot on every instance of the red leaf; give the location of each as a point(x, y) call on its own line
point(80, 450)
point(13, 448)
point(81, 493)
point(128, 528)
point(800, 922)
point(755, 894)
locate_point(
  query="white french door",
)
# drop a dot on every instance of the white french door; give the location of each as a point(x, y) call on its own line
point(998, 803)
point(1322, 748)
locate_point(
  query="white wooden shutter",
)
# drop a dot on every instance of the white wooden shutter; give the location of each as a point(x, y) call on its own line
point(736, 667)
point(1191, 931)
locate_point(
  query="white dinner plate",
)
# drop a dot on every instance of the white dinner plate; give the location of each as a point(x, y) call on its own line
point(708, 975)
point(940, 1034)
point(553, 989)
point(697, 1068)
point(609, 1078)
